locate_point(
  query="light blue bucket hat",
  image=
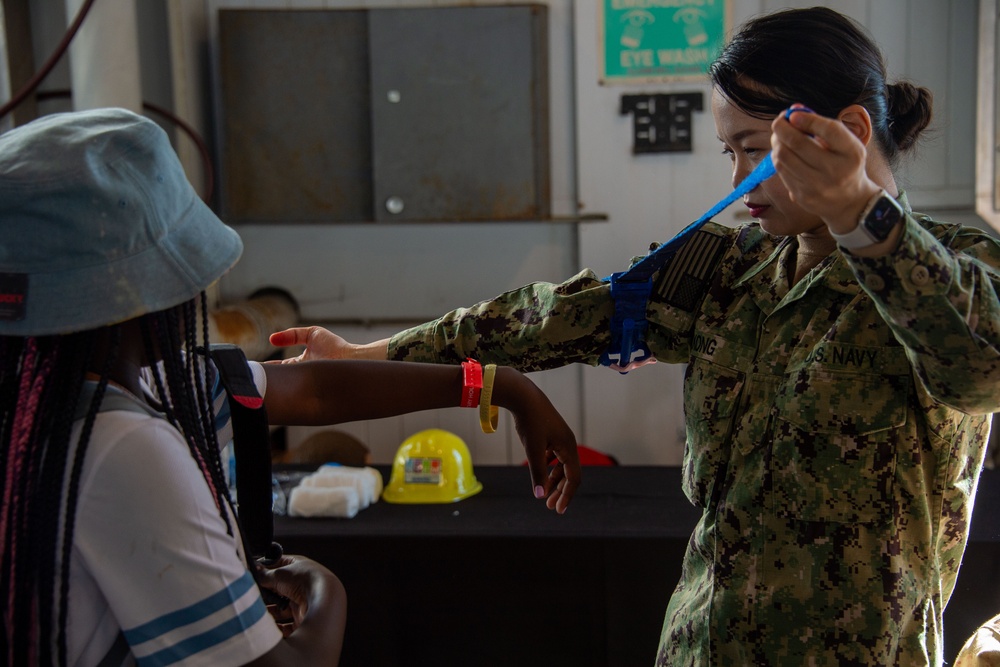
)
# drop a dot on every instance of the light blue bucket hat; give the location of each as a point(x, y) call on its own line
point(99, 225)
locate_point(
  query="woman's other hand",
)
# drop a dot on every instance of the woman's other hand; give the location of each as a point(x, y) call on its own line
point(321, 343)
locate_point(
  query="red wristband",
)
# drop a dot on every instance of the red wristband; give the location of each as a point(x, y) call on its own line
point(472, 383)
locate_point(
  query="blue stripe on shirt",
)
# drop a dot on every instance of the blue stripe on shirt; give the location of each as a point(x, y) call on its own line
point(192, 645)
point(191, 614)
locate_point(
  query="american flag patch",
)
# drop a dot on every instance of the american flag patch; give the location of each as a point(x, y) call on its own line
point(684, 278)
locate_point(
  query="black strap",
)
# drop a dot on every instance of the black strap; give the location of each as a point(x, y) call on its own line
point(252, 450)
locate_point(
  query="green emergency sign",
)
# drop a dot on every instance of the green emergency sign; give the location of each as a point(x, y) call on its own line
point(659, 40)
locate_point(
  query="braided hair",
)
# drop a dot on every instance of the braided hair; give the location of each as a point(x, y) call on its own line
point(41, 380)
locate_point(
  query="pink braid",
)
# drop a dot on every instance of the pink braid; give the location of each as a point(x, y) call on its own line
point(23, 421)
point(31, 384)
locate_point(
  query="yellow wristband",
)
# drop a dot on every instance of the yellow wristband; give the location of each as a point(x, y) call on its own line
point(488, 414)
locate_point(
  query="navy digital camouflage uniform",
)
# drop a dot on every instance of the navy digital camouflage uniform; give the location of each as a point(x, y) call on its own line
point(835, 434)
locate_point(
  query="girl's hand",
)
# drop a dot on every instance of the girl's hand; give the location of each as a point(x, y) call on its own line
point(544, 435)
point(304, 583)
point(313, 622)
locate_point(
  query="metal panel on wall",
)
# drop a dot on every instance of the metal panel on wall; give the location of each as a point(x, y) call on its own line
point(460, 113)
point(390, 114)
point(296, 144)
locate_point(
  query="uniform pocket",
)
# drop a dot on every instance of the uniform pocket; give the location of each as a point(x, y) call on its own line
point(711, 395)
point(833, 457)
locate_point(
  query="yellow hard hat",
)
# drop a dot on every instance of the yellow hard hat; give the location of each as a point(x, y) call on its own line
point(432, 466)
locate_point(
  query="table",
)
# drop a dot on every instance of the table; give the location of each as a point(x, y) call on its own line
point(496, 579)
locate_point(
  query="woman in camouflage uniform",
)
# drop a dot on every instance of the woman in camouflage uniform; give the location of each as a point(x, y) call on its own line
point(842, 365)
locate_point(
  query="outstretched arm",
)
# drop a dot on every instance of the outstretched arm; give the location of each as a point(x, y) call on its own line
point(332, 392)
point(535, 327)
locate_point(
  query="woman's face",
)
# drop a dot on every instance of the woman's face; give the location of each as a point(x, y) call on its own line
point(747, 140)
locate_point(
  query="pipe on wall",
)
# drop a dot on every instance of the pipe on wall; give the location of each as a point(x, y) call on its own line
point(104, 56)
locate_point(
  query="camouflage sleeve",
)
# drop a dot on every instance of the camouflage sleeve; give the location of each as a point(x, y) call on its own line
point(938, 293)
point(536, 327)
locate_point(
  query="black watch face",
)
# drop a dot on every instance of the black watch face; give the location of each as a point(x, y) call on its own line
point(882, 218)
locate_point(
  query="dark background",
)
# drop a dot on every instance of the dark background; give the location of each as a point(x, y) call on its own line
point(496, 579)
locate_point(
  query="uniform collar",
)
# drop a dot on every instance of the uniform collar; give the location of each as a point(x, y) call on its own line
point(767, 281)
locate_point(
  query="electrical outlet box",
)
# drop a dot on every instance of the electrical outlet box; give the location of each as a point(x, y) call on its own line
point(661, 123)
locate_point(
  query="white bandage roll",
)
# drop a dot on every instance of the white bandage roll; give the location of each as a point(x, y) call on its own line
point(320, 501)
point(369, 488)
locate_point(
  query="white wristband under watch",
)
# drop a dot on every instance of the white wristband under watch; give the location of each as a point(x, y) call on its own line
point(880, 217)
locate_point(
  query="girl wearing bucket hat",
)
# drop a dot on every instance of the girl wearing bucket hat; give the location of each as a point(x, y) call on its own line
point(119, 540)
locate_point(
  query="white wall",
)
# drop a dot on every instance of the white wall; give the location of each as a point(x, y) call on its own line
point(367, 281)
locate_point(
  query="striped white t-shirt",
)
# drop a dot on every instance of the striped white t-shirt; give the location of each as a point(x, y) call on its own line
point(152, 562)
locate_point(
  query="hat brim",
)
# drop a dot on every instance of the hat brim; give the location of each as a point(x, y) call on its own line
point(196, 252)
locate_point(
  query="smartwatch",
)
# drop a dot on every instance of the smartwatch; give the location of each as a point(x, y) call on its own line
point(879, 218)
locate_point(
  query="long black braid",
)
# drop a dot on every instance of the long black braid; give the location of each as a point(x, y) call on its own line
point(185, 394)
point(74, 488)
point(41, 381)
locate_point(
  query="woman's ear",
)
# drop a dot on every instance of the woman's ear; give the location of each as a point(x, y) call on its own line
point(857, 120)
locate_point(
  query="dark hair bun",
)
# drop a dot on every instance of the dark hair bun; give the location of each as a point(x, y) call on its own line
point(910, 111)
